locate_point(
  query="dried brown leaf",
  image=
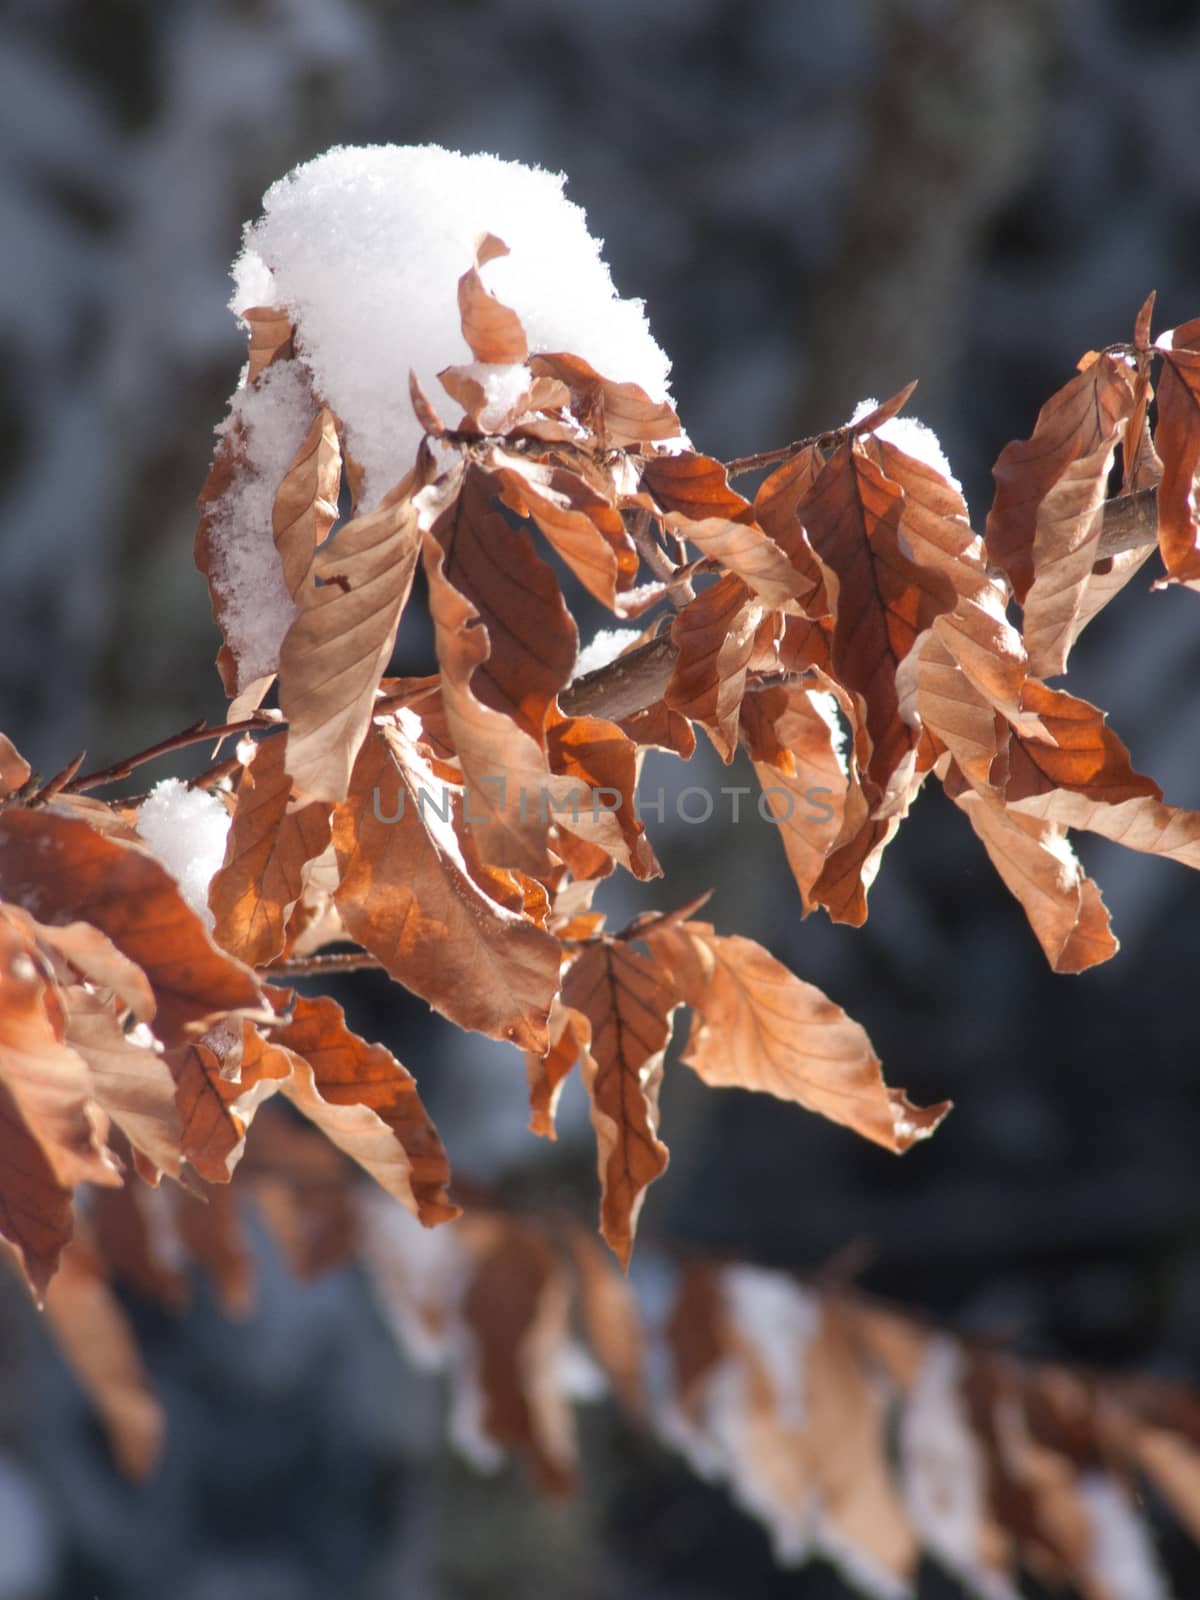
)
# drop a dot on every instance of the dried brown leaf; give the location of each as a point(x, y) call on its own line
point(271, 338)
point(492, 330)
point(267, 850)
point(408, 895)
point(757, 1026)
point(1044, 526)
point(366, 1103)
point(130, 1079)
point(338, 646)
point(582, 524)
point(628, 1010)
point(49, 1083)
point(546, 1073)
point(516, 596)
point(1039, 868)
point(622, 415)
point(63, 871)
point(882, 601)
point(306, 502)
point(1177, 438)
point(714, 634)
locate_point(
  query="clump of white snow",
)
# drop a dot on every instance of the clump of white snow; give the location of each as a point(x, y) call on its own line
point(603, 647)
point(273, 418)
point(915, 438)
point(364, 247)
point(186, 830)
point(503, 384)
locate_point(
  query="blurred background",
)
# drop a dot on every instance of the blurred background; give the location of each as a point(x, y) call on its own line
point(818, 202)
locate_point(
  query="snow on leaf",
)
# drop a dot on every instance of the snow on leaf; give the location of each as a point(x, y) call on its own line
point(399, 224)
point(628, 1010)
point(366, 1103)
point(267, 851)
point(407, 893)
point(186, 829)
point(235, 545)
point(336, 650)
point(62, 870)
point(757, 1026)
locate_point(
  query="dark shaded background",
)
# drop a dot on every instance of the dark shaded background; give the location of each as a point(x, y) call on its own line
point(817, 201)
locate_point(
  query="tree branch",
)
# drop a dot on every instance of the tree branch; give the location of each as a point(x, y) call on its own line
point(317, 966)
point(198, 733)
point(1130, 523)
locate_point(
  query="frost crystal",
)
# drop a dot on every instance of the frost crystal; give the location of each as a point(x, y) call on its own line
point(186, 830)
point(364, 247)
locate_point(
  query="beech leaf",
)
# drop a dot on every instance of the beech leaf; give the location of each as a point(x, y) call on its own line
point(628, 1009)
point(62, 871)
point(267, 851)
point(492, 330)
point(408, 895)
point(337, 648)
point(758, 1026)
point(1177, 438)
point(366, 1103)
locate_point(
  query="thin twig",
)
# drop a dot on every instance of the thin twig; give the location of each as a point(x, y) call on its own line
point(312, 966)
point(60, 780)
point(199, 733)
point(769, 458)
point(679, 589)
